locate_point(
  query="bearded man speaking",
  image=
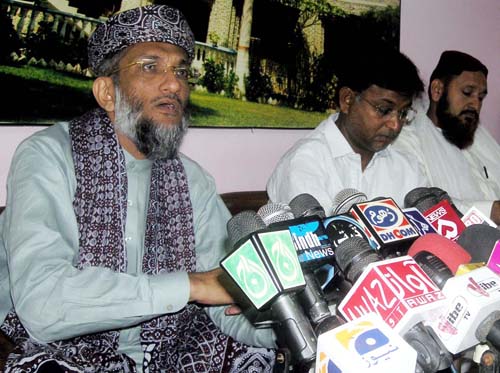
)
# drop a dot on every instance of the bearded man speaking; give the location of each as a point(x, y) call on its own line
point(111, 239)
point(458, 154)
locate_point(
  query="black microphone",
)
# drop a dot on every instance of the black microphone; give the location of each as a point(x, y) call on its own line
point(263, 264)
point(305, 204)
point(479, 240)
point(424, 198)
point(311, 297)
point(420, 198)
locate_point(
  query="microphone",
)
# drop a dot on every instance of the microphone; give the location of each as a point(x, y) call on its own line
point(442, 195)
point(419, 221)
point(311, 297)
point(479, 240)
point(474, 216)
point(420, 198)
point(437, 208)
point(397, 289)
point(386, 223)
point(439, 257)
point(471, 314)
point(366, 344)
point(449, 256)
point(305, 204)
point(263, 264)
point(344, 200)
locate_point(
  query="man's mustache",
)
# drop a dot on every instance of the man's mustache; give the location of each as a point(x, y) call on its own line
point(473, 113)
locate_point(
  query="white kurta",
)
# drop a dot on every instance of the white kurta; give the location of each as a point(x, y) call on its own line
point(323, 163)
point(471, 176)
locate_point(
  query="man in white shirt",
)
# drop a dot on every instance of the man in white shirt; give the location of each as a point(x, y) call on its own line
point(458, 154)
point(351, 149)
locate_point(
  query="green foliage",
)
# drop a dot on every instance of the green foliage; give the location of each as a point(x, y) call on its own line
point(313, 11)
point(257, 85)
point(49, 45)
point(230, 82)
point(53, 96)
point(213, 79)
point(318, 92)
point(384, 23)
point(9, 40)
point(214, 38)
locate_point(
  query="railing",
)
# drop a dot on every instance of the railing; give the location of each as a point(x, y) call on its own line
point(27, 16)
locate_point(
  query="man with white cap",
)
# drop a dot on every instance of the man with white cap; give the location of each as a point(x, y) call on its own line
point(112, 237)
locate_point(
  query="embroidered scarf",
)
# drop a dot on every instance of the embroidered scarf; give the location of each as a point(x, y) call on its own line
point(183, 341)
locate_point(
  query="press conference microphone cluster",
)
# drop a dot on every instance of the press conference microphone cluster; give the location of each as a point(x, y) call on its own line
point(265, 267)
point(471, 316)
point(399, 291)
point(294, 218)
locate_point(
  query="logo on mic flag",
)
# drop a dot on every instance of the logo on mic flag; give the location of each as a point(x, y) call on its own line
point(365, 344)
point(445, 220)
point(398, 290)
point(264, 266)
point(386, 223)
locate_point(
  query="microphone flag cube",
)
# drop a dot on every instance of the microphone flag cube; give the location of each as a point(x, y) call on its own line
point(366, 344)
point(445, 220)
point(386, 223)
point(494, 259)
point(474, 216)
point(398, 290)
point(419, 221)
point(265, 265)
point(471, 298)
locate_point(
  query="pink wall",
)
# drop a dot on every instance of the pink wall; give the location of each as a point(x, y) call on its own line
point(243, 159)
point(429, 27)
point(238, 159)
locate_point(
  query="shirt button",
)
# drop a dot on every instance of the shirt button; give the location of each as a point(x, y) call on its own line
point(130, 203)
point(128, 238)
point(169, 307)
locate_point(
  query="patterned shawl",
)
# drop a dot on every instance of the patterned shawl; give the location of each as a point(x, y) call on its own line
point(183, 341)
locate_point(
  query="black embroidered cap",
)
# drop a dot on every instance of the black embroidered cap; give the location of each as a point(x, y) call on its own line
point(151, 23)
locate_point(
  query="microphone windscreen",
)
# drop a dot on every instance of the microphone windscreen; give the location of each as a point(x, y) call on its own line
point(440, 194)
point(344, 200)
point(420, 198)
point(243, 224)
point(274, 212)
point(306, 205)
point(449, 252)
point(353, 255)
point(479, 240)
point(484, 328)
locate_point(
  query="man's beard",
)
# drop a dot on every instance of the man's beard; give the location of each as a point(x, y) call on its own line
point(151, 138)
point(459, 132)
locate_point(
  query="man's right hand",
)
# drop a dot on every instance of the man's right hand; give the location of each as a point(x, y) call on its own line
point(495, 212)
point(206, 288)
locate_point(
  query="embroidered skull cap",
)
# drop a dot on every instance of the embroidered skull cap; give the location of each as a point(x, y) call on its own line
point(151, 23)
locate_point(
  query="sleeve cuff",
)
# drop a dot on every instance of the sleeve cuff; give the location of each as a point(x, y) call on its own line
point(170, 291)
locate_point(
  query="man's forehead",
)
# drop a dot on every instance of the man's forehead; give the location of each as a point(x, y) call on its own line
point(384, 94)
point(157, 50)
point(474, 78)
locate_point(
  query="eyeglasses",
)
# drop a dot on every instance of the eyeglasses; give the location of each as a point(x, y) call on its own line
point(152, 70)
point(405, 116)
